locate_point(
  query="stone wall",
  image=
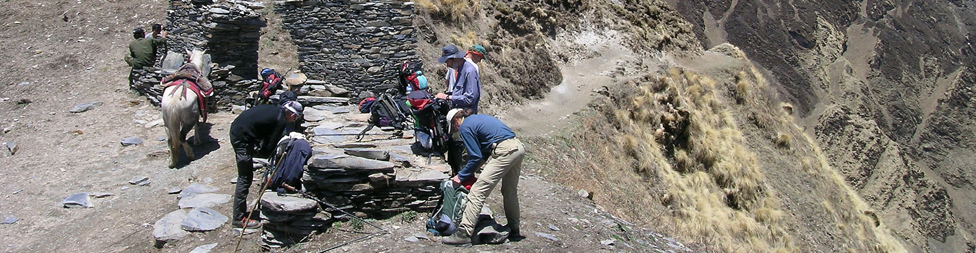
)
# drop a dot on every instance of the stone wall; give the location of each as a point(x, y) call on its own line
point(353, 44)
point(229, 31)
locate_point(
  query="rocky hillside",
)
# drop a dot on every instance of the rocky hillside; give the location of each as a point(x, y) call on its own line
point(885, 86)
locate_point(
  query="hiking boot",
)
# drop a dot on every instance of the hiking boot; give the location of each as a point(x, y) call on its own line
point(250, 224)
point(457, 239)
point(514, 235)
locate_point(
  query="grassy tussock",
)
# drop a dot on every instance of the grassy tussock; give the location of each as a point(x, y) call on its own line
point(451, 10)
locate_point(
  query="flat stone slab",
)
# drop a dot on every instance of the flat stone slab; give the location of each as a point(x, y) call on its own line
point(129, 141)
point(81, 199)
point(547, 236)
point(370, 153)
point(9, 220)
point(101, 194)
point(204, 200)
point(169, 228)
point(206, 248)
point(354, 145)
point(314, 115)
point(139, 180)
point(286, 204)
point(322, 150)
point(203, 219)
point(320, 100)
point(331, 125)
point(402, 159)
point(415, 177)
point(349, 163)
point(84, 107)
point(195, 188)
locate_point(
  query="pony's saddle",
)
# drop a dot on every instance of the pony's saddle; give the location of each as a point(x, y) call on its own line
point(199, 84)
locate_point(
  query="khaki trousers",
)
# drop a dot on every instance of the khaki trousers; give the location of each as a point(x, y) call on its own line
point(504, 165)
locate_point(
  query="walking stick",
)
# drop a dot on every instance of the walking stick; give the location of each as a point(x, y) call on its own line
point(247, 218)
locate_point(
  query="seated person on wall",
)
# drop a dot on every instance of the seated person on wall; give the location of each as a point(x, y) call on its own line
point(142, 50)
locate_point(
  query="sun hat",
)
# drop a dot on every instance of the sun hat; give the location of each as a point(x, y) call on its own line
point(450, 52)
point(452, 113)
point(294, 106)
point(480, 50)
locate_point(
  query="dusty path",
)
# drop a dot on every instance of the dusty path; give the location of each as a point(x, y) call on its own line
point(580, 78)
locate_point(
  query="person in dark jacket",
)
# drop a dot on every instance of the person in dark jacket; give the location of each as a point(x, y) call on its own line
point(492, 143)
point(256, 132)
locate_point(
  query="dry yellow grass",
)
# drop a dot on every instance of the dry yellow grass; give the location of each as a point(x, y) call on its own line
point(673, 156)
point(452, 10)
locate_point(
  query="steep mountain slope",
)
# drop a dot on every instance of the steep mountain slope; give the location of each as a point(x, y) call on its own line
point(885, 87)
point(694, 143)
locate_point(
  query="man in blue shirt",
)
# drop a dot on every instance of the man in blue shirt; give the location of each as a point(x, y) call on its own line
point(487, 139)
point(466, 88)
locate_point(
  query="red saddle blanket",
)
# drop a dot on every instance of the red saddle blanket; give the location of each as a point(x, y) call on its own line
point(202, 94)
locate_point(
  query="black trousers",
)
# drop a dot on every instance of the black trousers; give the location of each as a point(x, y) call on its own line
point(244, 152)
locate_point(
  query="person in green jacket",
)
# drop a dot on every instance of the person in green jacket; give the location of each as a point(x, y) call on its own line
point(142, 50)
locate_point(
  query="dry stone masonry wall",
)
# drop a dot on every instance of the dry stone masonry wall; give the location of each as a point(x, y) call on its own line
point(229, 31)
point(353, 44)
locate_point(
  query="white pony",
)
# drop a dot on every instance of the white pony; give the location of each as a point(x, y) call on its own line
point(182, 104)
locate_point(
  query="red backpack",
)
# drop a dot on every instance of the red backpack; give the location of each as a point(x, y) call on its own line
point(411, 77)
point(271, 83)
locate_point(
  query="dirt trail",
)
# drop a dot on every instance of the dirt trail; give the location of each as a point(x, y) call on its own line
point(580, 79)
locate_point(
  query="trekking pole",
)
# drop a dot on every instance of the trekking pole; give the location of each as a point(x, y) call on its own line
point(247, 219)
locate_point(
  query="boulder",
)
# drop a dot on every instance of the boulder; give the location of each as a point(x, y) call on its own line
point(169, 228)
point(203, 219)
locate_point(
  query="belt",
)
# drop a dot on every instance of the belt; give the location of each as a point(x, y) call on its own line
point(494, 145)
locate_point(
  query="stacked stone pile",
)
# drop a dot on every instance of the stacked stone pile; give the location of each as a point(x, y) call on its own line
point(376, 177)
point(356, 45)
point(198, 199)
point(288, 219)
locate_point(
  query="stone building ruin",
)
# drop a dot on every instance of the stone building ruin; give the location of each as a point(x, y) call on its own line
point(343, 45)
